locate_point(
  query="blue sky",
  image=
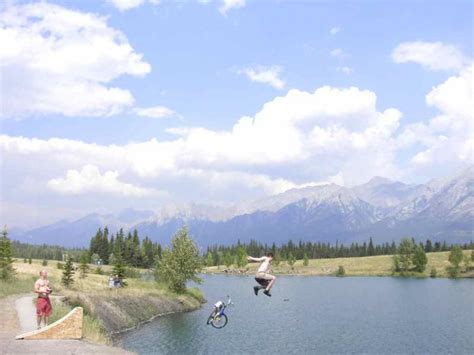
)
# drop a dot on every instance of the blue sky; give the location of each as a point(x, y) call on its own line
point(204, 66)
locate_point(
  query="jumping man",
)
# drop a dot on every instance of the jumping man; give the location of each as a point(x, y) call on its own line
point(262, 276)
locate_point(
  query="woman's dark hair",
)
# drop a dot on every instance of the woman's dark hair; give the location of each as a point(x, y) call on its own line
point(270, 255)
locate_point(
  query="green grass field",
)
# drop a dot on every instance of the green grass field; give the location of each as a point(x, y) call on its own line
point(361, 266)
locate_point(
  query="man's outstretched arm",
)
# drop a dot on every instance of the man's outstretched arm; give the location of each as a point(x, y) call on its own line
point(251, 258)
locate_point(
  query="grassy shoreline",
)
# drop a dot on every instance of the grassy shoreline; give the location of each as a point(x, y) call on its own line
point(107, 312)
point(381, 265)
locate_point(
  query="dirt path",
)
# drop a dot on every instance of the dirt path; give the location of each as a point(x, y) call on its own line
point(14, 322)
point(25, 311)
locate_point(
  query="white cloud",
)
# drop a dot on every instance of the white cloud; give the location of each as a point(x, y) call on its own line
point(345, 70)
point(59, 61)
point(447, 140)
point(265, 74)
point(335, 30)
point(338, 52)
point(90, 180)
point(431, 55)
point(227, 5)
point(124, 5)
point(329, 130)
point(155, 112)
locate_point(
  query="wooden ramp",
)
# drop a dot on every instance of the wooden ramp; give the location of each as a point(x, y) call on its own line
point(68, 327)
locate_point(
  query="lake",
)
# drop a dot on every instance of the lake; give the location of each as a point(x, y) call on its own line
point(323, 315)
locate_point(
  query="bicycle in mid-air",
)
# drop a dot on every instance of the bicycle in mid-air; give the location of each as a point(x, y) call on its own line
point(218, 319)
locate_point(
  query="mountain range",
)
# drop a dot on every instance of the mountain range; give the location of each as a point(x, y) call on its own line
point(383, 209)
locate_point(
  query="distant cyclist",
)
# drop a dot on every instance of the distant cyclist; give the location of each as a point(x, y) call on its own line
point(262, 276)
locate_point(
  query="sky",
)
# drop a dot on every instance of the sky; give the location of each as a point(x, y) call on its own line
point(110, 104)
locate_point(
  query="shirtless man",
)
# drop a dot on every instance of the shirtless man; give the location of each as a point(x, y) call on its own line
point(262, 273)
point(43, 303)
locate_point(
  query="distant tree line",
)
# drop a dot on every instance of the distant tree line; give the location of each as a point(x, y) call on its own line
point(45, 252)
point(291, 251)
point(126, 249)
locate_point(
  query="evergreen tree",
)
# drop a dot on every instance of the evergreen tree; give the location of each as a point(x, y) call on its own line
point(104, 246)
point(119, 266)
point(180, 263)
point(30, 261)
point(6, 262)
point(455, 258)
point(370, 249)
point(433, 273)
point(419, 259)
point(44, 262)
point(148, 253)
point(84, 265)
point(428, 246)
point(305, 260)
point(291, 260)
point(68, 273)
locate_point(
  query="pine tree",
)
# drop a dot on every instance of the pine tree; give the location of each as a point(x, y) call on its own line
point(370, 249)
point(428, 246)
point(29, 260)
point(305, 260)
point(148, 252)
point(68, 273)
point(44, 262)
point(119, 267)
point(6, 262)
point(84, 265)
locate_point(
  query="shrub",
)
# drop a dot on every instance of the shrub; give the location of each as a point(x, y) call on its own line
point(98, 270)
point(291, 260)
point(433, 272)
point(341, 271)
point(131, 273)
point(59, 265)
point(305, 260)
point(44, 262)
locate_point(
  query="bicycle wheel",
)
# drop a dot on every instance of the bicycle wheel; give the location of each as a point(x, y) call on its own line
point(211, 317)
point(219, 321)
